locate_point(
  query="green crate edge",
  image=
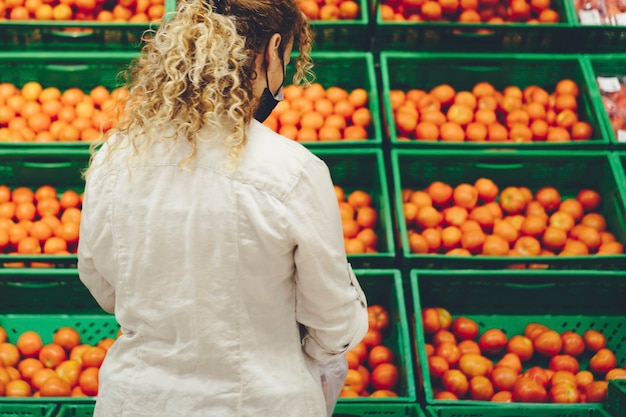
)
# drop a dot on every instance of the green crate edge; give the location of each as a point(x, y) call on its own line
point(416, 261)
point(603, 142)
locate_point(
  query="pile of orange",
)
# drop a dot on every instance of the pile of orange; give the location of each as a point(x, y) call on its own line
point(483, 113)
point(470, 11)
point(359, 219)
point(330, 9)
point(315, 113)
point(66, 367)
point(480, 219)
point(133, 11)
point(39, 221)
point(34, 113)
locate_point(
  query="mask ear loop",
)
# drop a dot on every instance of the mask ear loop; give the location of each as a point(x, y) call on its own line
point(267, 80)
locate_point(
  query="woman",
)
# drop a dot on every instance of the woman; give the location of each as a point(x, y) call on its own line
point(216, 242)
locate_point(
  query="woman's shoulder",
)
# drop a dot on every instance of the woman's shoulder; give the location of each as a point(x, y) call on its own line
point(274, 160)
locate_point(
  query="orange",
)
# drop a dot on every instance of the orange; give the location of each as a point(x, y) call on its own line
point(336, 94)
point(361, 117)
point(473, 240)
point(451, 237)
point(444, 93)
point(581, 131)
point(520, 133)
point(54, 245)
point(358, 97)
point(497, 133)
point(485, 116)
point(566, 86)
point(483, 88)
point(452, 132)
point(431, 10)
point(558, 134)
point(476, 132)
point(505, 230)
point(427, 131)
point(440, 192)
point(355, 133)
point(433, 116)
point(29, 245)
point(465, 195)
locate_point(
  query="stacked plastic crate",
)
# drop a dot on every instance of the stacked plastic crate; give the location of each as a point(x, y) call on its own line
point(461, 256)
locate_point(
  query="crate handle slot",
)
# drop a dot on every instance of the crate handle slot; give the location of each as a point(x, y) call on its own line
point(481, 68)
point(47, 164)
point(67, 68)
point(541, 286)
point(469, 33)
point(32, 285)
point(75, 34)
point(500, 165)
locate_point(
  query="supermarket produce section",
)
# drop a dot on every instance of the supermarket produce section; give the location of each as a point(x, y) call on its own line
point(478, 153)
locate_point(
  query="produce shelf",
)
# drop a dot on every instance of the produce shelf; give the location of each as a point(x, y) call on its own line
point(567, 171)
point(407, 70)
point(19, 409)
point(562, 300)
point(345, 34)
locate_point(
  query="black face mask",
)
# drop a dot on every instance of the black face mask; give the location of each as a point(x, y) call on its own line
point(268, 100)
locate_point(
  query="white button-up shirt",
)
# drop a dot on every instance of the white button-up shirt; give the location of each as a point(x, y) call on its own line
point(229, 286)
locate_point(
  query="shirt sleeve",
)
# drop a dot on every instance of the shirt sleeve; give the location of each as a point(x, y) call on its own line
point(94, 218)
point(330, 303)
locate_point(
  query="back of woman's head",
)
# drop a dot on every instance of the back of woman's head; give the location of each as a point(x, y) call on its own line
point(197, 70)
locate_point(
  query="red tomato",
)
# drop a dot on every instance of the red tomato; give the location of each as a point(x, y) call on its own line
point(596, 391)
point(573, 344)
point(448, 351)
point(468, 346)
point(52, 355)
point(503, 378)
point(372, 338)
point(430, 320)
point(594, 340)
point(602, 362)
point(502, 397)
point(379, 354)
point(522, 346)
point(511, 360)
point(472, 364)
point(465, 328)
point(437, 366)
point(360, 350)
point(445, 395)
point(564, 392)
point(445, 318)
point(492, 341)
point(441, 336)
point(564, 363)
point(378, 317)
point(480, 388)
point(548, 343)
point(532, 330)
point(383, 393)
point(456, 382)
point(384, 376)
point(537, 374)
point(528, 390)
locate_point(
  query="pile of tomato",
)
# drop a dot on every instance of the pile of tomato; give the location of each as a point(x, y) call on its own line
point(66, 367)
point(372, 365)
point(540, 365)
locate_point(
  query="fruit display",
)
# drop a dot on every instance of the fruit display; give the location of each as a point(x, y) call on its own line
point(380, 366)
point(104, 11)
point(372, 366)
point(465, 364)
point(59, 362)
point(315, 113)
point(484, 219)
point(39, 221)
point(328, 10)
point(484, 113)
point(503, 337)
point(34, 113)
point(359, 220)
point(471, 11)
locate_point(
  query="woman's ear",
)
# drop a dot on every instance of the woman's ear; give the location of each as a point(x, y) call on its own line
point(274, 57)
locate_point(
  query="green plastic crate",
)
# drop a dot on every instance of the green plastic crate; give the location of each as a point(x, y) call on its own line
point(348, 70)
point(365, 170)
point(616, 397)
point(92, 327)
point(49, 291)
point(49, 35)
point(611, 65)
point(84, 70)
point(343, 35)
point(567, 171)
point(405, 70)
point(562, 300)
point(385, 287)
point(599, 38)
point(20, 409)
point(407, 410)
point(76, 410)
point(475, 37)
point(33, 167)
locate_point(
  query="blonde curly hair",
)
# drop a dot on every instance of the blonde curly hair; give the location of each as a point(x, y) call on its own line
point(197, 71)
